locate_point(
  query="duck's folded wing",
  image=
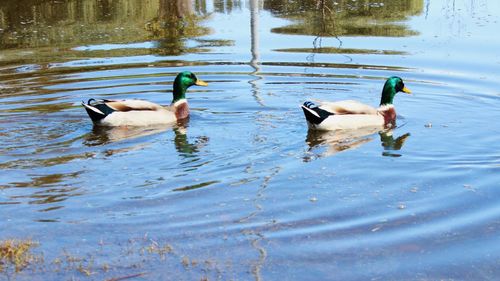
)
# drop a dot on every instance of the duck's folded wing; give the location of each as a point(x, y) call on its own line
point(129, 105)
point(348, 107)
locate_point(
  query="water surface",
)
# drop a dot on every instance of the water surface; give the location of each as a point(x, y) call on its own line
point(242, 190)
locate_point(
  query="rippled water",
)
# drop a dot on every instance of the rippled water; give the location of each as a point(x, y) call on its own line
point(242, 190)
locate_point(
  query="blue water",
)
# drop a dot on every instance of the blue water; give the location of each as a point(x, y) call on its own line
point(242, 190)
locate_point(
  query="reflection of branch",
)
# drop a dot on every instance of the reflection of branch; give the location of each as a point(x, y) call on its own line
point(325, 12)
point(427, 9)
point(324, 7)
point(322, 2)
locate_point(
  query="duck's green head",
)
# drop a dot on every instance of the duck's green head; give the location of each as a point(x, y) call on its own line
point(392, 86)
point(182, 82)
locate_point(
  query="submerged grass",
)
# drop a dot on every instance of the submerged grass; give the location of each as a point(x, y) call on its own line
point(16, 256)
point(16, 253)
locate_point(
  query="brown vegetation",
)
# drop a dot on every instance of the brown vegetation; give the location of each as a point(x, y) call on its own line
point(16, 253)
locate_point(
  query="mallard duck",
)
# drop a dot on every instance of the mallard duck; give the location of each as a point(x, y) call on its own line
point(350, 114)
point(140, 112)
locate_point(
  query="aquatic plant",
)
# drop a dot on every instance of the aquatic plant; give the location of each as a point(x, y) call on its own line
point(16, 253)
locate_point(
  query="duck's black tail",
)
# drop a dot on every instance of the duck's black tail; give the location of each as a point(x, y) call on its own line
point(314, 114)
point(97, 109)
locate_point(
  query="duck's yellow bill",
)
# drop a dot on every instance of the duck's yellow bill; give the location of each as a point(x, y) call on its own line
point(200, 82)
point(406, 90)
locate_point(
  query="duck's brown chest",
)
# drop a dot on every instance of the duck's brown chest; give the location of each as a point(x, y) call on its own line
point(182, 111)
point(389, 117)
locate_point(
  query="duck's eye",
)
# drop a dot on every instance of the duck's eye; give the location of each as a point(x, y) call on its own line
point(400, 85)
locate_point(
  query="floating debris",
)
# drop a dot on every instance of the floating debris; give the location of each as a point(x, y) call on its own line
point(161, 250)
point(127, 277)
point(469, 187)
point(313, 199)
point(185, 261)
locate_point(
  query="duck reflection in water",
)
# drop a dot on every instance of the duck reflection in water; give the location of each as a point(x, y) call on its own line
point(105, 135)
point(392, 144)
point(184, 147)
point(337, 141)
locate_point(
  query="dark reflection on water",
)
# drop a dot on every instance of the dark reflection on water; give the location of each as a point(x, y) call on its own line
point(45, 180)
point(346, 17)
point(332, 50)
point(195, 186)
point(37, 23)
point(168, 24)
point(43, 25)
point(52, 189)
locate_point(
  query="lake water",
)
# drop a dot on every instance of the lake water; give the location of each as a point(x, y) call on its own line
point(242, 190)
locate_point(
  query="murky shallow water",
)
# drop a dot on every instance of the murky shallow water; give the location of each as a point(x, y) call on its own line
point(242, 190)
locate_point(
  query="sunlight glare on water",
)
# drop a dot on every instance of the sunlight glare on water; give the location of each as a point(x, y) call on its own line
point(241, 190)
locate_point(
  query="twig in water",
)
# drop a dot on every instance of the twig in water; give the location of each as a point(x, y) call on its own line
point(127, 277)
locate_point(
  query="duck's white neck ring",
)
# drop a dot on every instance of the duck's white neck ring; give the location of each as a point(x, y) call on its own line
point(179, 102)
